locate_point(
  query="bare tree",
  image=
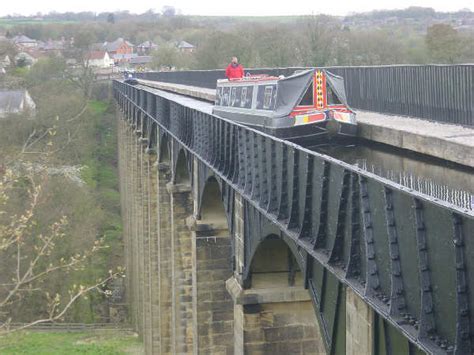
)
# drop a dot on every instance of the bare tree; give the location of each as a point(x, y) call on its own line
point(33, 258)
point(83, 75)
point(318, 40)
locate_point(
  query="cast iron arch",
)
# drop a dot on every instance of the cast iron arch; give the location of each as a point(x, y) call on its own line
point(273, 255)
point(212, 206)
point(181, 174)
point(164, 155)
point(152, 137)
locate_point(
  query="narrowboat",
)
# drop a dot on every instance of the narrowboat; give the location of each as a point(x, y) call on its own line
point(130, 79)
point(306, 107)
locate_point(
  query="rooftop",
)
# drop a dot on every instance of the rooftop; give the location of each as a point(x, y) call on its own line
point(94, 55)
point(184, 44)
point(11, 100)
point(148, 44)
point(23, 39)
point(144, 59)
point(113, 46)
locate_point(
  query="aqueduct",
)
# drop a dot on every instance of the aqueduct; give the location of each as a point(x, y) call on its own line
point(237, 242)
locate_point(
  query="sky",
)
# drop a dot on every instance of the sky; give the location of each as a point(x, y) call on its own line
point(227, 8)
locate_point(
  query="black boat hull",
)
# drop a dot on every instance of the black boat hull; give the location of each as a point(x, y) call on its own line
point(312, 134)
point(303, 134)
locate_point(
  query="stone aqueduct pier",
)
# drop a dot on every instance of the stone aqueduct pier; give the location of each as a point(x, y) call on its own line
point(237, 242)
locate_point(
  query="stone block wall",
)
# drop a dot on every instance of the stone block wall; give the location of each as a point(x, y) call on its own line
point(281, 328)
point(214, 305)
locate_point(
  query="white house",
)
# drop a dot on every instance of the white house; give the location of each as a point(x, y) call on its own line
point(99, 59)
point(16, 101)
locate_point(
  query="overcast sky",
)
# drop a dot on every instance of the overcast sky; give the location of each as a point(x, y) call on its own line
point(227, 7)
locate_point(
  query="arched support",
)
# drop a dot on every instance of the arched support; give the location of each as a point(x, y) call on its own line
point(212, 255)
point(181, 250)
point(164, 258)
point(164, 155)
point(274, 314)
point(181, 175)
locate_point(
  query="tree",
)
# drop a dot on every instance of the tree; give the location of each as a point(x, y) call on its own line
point(83, 76)
point(443, 43)
point(34, 255)
point(168, 11)
point(8, 48)
point(218, 48)
point(167, 56)
point(318, 40)
point(111, 18)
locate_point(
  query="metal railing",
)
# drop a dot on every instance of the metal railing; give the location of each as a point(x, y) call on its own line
point(72, 327)
point(443, 93)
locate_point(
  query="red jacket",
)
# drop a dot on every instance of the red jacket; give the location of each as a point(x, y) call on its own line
point(234, 72)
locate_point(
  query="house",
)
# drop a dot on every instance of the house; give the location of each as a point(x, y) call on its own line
point(23, 41)
point(141, 62)
point(119, 46)
point(52, 46)
point(15, 102)
point(120, 59)
point(146, 48)
point(99, 59)
point(184, 46)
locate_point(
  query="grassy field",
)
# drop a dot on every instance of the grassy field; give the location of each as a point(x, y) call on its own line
point(7, 23)
point(103, 342)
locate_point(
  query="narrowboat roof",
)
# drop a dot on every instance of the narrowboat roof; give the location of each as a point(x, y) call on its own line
point(290, 90)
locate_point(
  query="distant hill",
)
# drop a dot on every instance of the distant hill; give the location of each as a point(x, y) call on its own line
point(418, 18)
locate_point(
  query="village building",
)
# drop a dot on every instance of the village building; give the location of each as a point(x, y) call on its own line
point(146, 48)
point(184, 46)
point(24, 42)
point(141, 62)
point(123, 59)
point(119, 46)
point(16, 102)
point(99, 59)
point(52, 46)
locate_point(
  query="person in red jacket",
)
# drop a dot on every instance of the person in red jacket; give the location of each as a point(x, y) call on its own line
point(234, 70)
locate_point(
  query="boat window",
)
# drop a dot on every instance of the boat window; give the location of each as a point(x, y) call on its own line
point(307, 99)
point(233, 95)
point(219, 96)
point(238, 94)
point(332, 98)
point(267, 100)
point(225, 96)
point(249, 97)
point(264, 97)
point(243, 97)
